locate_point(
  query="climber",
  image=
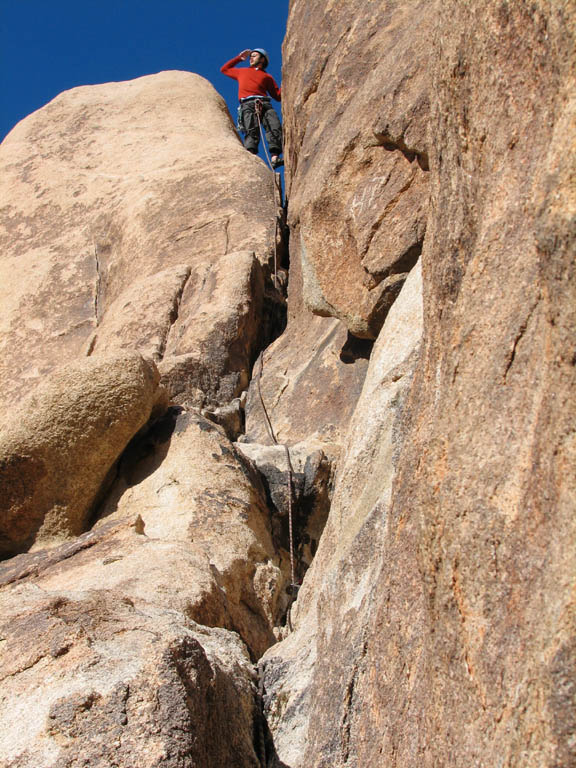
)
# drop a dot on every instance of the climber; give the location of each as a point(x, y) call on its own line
point(255, 86)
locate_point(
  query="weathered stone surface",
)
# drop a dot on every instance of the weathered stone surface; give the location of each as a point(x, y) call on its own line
point(104, 190)
point(310, 379)
point(473, 641)
point(337, 595)
point(57, 448)
point(120, 669)
point(212, 344)
point(129, 237)
point(194, 491)
point(141, 318)
point(443, 633)
point(356, 84)
point(97, 673)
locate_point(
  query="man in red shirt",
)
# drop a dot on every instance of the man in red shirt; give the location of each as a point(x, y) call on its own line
point(255, 86)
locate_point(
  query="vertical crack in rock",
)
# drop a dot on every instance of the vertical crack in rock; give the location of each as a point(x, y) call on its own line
point(518, 338)
point(176, 301)
point(227, 233)
point(346, 724)
point(97, 287)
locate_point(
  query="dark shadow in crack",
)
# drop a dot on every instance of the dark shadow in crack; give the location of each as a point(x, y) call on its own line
point(142, 456)
point(267, 753)
point(356, 349)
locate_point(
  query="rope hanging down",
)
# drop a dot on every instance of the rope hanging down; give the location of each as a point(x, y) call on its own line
point(293, 585)
point(258, 111)
point(277, 181)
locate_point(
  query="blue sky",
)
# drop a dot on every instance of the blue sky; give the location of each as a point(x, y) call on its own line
point(48, 46)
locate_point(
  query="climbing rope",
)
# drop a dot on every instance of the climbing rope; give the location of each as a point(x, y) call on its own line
point(293, 585)
point(258, 106)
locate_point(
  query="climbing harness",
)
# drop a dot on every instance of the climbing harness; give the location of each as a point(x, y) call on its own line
point(293, 585)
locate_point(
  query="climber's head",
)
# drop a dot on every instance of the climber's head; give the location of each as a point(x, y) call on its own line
point(259, 58)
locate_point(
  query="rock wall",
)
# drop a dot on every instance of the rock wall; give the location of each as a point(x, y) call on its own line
point(424, 384)
point(141, 578)
point(117, 211)
point(437, 623)
point(355, 90)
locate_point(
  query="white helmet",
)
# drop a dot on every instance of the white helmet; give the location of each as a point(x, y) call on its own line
point(262, 52)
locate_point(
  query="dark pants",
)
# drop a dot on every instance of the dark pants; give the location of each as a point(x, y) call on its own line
point(251, 130)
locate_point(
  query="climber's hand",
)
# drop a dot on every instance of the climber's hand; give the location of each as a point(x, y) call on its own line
point(244, 55)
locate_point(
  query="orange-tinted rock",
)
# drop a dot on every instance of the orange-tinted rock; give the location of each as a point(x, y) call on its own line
point(355, 93)
point(57, 448)
point(443, 629)
point(309, 379)
point(105, 191)
point(473, 643)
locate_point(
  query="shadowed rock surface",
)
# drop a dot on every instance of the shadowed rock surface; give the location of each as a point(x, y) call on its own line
point(58, 447)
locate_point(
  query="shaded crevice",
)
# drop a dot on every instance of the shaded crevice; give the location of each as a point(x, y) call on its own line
point(403, 264)
point(356, 349)
point(174, 314)
point(263, 739)
point(393, 143)
point(518, 338)
point(97, 289)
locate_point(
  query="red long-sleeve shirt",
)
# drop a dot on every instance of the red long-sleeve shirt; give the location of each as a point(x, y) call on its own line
point(251, 82)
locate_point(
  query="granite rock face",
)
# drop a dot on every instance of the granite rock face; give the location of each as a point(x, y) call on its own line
point(431, 198)
point(437, 623)
point(131, 639)
point(115, 199)
point(356, 85)
point(58, 447)
point(308, 381)
point(189, 485)
point(477, 651)
point(319, 661)
point(97, 672)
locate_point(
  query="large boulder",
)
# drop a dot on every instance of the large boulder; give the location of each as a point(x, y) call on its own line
point(111, 195)
point(96, 672)
point(134, 642)
point(193, 491)
point(58, 446)
point(356, 95)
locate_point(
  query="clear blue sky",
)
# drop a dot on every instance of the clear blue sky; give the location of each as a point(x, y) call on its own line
point(48, 46)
